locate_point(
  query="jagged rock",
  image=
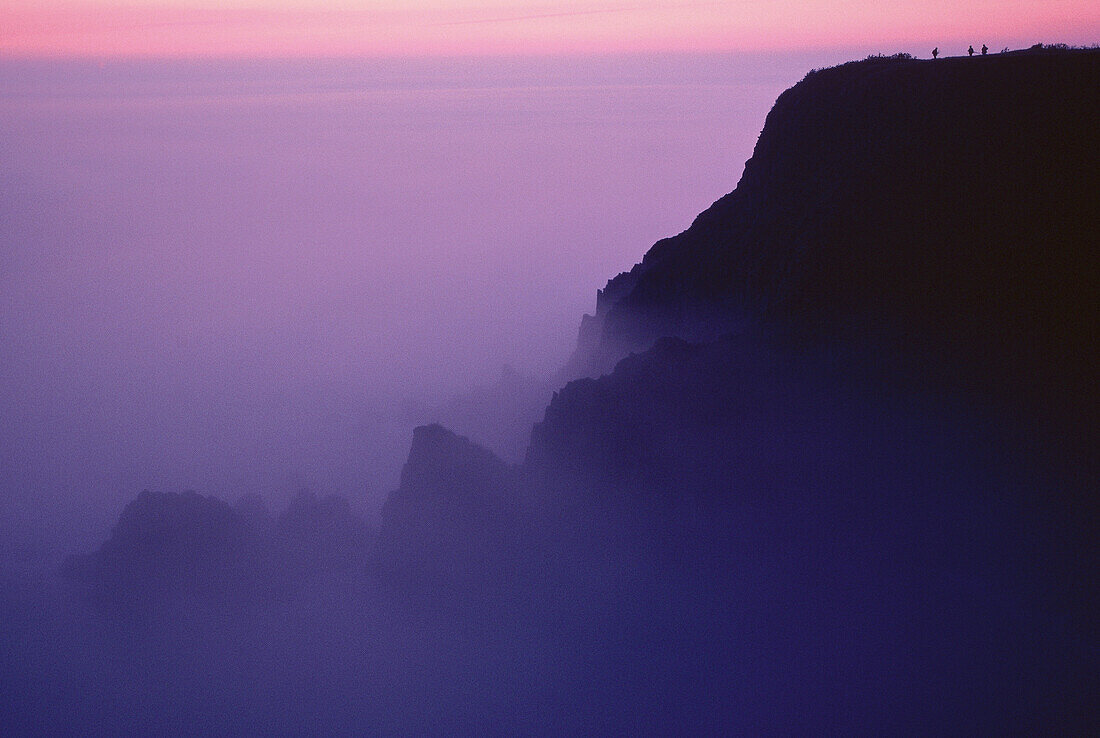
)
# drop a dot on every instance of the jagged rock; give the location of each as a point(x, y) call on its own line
point(170, 542)
point(442, 464)
point(187, 544)
point(447, 522)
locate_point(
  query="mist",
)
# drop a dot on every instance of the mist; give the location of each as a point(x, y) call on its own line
point(256, 277)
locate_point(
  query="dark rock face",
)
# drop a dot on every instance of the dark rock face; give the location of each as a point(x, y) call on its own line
point(906, 224)
point(632, 429)
point(949, 206)
point(717, 434)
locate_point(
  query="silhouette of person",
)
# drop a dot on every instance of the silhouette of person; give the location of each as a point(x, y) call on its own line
point(985, 49)
point(970, 51)
point(935, 52)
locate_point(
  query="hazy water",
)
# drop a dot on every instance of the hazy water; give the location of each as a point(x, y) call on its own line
point(233, 276)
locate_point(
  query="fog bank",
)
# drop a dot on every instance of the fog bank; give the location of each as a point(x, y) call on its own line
point(256, 277)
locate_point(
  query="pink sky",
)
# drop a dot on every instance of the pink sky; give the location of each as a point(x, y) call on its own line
point(270, 28)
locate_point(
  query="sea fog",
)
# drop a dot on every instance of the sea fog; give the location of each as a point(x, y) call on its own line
point(254, 277)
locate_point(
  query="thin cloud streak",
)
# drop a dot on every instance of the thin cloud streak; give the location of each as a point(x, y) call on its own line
point(568, 14)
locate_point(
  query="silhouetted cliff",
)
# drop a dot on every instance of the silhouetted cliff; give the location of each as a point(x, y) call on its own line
point(947, 209)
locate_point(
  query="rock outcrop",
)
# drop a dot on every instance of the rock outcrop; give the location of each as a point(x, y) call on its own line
point(948, 209)
point(168, 543)
point(447, 523)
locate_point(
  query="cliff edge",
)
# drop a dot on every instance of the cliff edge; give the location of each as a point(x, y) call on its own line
point(946, 209)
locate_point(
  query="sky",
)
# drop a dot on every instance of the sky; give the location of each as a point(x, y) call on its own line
point(311, 28)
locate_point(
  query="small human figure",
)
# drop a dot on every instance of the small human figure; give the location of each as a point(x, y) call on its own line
point(985, 49)
point(935, 52)
point(970, 51)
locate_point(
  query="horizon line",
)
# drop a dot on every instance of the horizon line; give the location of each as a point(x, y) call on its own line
point(886, 48)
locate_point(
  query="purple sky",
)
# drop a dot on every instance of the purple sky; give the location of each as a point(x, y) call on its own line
point(311, 28)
